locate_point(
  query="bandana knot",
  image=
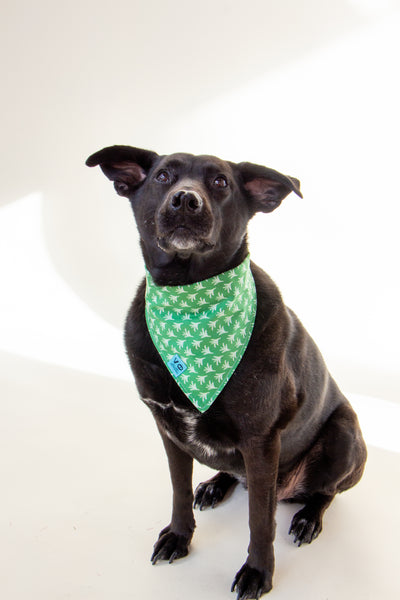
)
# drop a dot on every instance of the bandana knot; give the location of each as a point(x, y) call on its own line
point(202, 330)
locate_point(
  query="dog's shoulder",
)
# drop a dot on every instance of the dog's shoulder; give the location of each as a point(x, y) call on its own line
point(272, 314)
point(137, 339)
point(268, 295)
point(135, 323)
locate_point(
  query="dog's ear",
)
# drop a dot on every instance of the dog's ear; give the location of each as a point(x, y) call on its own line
point(266, 188)
point(127, 167)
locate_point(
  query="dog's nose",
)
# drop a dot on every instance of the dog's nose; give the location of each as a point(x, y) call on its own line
point(186, 200)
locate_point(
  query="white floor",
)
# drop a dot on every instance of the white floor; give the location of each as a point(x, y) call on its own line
point(85, 491)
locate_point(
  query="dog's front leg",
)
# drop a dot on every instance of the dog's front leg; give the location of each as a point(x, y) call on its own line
point(261, 458)
point(174, 540)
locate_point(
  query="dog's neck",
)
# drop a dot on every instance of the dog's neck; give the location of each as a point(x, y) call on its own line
point(172, 269)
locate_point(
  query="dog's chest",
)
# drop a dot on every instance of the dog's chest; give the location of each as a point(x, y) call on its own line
point(186, 428)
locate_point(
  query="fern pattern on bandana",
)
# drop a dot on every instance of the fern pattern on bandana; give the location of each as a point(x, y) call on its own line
point(202, 330)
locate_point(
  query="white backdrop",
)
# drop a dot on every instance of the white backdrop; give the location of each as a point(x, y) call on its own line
point(309, 88)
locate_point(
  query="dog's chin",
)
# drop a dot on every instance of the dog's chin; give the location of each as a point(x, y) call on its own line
point(184, 242)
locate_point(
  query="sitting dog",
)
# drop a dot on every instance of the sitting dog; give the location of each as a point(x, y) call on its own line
point(231, 376)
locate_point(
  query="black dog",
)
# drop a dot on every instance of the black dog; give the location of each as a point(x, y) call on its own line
point(280, 424)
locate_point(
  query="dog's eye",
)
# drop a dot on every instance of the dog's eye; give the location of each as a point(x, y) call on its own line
point(220, 182)
point(163, 177)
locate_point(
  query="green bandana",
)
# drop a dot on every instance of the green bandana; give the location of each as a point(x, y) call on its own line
point(201, 330)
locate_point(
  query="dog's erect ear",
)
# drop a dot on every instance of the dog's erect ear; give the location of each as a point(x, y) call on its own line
point(127, 167)
point(265, 187)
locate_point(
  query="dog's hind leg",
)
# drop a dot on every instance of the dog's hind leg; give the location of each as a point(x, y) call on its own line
point(213, 491)
point(307, 523)
point(333, 464)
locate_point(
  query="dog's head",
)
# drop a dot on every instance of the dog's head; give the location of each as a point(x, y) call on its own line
point(192, 208)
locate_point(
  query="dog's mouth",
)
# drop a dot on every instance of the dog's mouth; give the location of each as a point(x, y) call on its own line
point(184, 240)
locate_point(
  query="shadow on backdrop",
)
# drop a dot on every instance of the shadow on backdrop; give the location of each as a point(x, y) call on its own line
point(80, 78)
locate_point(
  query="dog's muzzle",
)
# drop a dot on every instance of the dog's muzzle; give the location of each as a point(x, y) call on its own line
point(185, 221)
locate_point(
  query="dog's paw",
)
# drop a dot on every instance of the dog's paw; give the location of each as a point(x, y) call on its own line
point(170, 546)
point(251, 583)
point(305, 527)
point(213, 491)
point(207, 495)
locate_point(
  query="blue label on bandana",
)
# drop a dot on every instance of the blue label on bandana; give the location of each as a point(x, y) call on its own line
point(176, 365)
